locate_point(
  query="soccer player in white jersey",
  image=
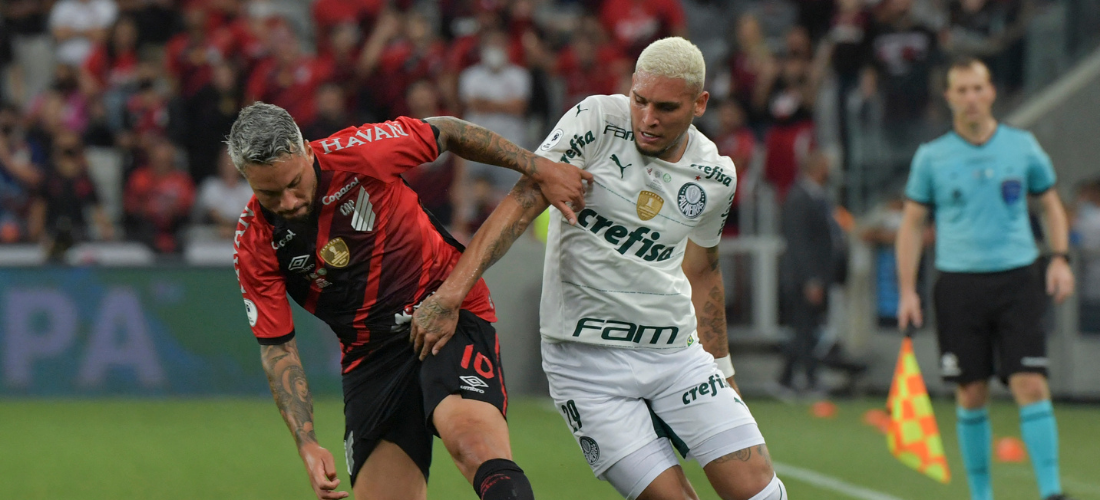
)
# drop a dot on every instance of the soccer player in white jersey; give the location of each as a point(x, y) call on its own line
point(633, 309)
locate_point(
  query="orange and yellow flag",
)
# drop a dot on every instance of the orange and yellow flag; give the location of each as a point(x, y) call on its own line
point(914, 437)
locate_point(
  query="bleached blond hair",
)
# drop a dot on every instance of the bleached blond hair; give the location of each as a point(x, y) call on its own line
point(674, 57)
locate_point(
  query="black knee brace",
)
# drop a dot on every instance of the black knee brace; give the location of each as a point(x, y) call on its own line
point(502, 479)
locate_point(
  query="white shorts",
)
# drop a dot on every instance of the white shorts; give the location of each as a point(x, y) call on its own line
point(617, 401)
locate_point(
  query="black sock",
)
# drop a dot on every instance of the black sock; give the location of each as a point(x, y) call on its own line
point(502, 479)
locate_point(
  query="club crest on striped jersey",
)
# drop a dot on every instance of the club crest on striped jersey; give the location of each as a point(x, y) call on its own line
point(362, 212)
point(649, 204)
point(335, 253)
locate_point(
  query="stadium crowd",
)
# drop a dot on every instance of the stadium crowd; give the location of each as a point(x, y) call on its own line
point(115, 111)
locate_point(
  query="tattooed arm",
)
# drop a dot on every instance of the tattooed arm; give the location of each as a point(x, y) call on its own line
point(708, 295)
point(434, 321)
point(291, 392)
point(561, 182)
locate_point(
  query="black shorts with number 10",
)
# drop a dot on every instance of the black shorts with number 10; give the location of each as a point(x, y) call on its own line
point(392, 395)
point(991, 323)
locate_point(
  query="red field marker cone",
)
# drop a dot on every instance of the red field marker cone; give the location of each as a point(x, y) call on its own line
point(823, 409)
point(1010, 450)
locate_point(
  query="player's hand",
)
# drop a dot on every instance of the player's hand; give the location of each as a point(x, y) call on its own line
point(562, 185)
point(1059, 280)
point(909, 311)
point(433, 324)
point(814, 292)
point(322, 471)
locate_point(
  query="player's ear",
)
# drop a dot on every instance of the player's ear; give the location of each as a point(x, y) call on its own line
point(701, 103)
point(307, 150)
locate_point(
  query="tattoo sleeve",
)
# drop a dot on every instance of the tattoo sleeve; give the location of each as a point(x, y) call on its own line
point(288, 386)
point(507, 222)
point(708, 294)
point(479, 144)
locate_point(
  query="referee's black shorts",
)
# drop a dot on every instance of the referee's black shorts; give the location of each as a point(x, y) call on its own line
point(391, 395)
point(991, 323)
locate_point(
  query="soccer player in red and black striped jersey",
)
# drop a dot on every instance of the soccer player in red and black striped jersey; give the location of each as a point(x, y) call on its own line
point(333, 225)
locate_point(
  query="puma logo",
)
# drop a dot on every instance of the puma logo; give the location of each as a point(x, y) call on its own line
point(622, 168)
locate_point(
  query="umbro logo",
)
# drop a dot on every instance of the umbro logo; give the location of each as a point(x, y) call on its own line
point(473, 381)
point(298, 263)
point(473, 384)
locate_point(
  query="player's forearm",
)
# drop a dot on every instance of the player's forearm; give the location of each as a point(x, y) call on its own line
point(476, 143)
point(708, 295)
point(507, 222)
point(1057, 223)
point(908, 250)
point(288, 386)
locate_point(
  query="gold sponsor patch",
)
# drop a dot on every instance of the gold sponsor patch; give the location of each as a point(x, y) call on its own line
point(649, 204)
point(335, 253)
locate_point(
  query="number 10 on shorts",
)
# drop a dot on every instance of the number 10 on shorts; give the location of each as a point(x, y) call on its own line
point(572, 415)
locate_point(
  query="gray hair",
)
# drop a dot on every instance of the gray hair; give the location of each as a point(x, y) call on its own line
point(262, 134)
point(674, 57)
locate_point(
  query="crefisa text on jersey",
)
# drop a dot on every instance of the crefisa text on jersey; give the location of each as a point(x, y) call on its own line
point(715, 173)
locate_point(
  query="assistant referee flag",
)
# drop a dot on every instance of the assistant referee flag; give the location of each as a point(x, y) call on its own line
point(914, 437)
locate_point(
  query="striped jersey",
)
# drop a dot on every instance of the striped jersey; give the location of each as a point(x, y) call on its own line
point(368, 253)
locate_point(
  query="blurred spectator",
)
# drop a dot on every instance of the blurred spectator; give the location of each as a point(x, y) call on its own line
point(1086, 236)
point(332, 113)
point(809, 266)
point(737, 141)
point(905, 55)
point(847, 46)
point(343, 57)
point(63, 105)
point(191, 55)
point(330, 15)
point(815, 16)
point(880, 230)
point(288, 79)
point(750, 59)
point(65, 198)
point(634, 24)
point(589, 68)
point(111, 70)
point(402, 50)
point(494, 93)
point(847, 43)
point(786, 95)
point(210, 114)
point(24, 24)
point(540, 62)
point(156, 20)
point(158, 199)
point(734, 138)
point(992, 31)
point(432, 181)
point(77, 25)
point(223, 197)
point(18, 176)
point(147, 113)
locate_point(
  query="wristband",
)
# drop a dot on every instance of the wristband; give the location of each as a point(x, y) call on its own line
point(725, 366)
point(1063, 255)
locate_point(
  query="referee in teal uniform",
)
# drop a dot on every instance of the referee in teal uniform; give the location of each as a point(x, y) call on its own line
point(991, 292)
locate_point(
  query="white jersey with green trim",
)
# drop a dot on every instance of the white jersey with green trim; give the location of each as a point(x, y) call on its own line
point(615, 278)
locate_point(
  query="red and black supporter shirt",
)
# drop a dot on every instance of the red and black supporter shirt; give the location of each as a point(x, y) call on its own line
point(368, 253)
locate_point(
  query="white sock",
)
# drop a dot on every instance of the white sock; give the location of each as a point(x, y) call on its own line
point(775, 490)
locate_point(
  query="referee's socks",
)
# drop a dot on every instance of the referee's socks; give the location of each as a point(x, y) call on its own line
point(502, 479)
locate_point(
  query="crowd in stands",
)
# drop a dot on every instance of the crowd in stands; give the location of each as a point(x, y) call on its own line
point(115, 110)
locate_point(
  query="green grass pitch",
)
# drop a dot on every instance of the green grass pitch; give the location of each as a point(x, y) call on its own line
point(239, 448)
